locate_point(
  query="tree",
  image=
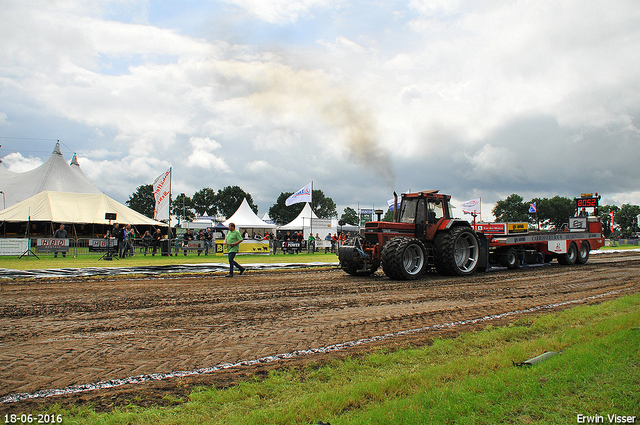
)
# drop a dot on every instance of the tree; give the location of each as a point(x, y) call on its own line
point(322, 206)
point(349, 215)
point(229, 199)
point(627, 218)
point(182, 207)
point(204, 202)
point(554, 211)
point(603, 213)
point(142, 200)
point(388, 216)
point(511, 209)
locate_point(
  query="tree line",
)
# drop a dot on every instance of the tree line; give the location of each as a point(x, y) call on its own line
point(208, 202)
point(554, 212)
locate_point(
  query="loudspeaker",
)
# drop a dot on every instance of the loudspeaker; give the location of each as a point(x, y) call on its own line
point(110, 216)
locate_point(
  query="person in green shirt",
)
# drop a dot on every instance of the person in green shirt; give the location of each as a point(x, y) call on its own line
point(232, 240)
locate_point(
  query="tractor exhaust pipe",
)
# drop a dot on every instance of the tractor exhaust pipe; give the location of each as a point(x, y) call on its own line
point(395, 206)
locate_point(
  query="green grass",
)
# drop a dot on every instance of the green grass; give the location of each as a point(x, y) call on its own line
point(467, 380)
point(606, 248)
point(46, 261)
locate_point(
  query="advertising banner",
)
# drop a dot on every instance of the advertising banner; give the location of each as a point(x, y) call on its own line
point(246, 247)
point(518, 228)
point(52, 245)
point(13, 246)
point(161, 194)
point(491, 228)
point(101, 245)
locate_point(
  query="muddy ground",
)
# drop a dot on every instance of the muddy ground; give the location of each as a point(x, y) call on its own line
point(62, 333)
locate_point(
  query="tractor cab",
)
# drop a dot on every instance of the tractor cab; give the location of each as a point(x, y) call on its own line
point(424, 210)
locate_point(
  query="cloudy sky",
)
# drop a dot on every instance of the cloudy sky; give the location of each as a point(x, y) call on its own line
point(475, 98)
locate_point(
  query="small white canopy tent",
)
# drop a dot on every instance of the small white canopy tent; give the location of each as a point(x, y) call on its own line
point(302, 220)
point(244, 218)
point(308, 222)
point(79, 208)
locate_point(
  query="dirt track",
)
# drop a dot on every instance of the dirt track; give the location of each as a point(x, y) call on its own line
point(60, 333)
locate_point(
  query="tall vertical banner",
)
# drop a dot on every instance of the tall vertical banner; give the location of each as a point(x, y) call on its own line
point(162, 195)
point(611, 217)
point(303, 195)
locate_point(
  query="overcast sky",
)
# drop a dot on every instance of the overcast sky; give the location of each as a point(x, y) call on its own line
point(475, 98)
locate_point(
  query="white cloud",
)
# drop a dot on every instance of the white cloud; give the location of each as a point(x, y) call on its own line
point(283, 11)
point(202, 157)
point(16, 163)
point(399, 98)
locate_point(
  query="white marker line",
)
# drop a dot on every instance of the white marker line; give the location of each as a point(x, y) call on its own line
point(139, 379)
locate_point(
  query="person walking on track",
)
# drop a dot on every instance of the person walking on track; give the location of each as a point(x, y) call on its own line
point(232, 241)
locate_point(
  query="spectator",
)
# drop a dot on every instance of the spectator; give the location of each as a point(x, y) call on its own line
point(60, 234)
point(157, 237)
point(311, 247)
point(119, 233)
point(186, 238)
point(147, 240)
point(130, 239)
point(327, 239)
point(208, 237)
point(201, 237)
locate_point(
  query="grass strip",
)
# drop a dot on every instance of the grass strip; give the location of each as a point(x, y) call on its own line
point(467, 380)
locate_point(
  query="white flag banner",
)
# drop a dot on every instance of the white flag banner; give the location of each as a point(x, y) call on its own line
point(391, 204)
point(161, 193)
point(471, 207)
point(303, 195)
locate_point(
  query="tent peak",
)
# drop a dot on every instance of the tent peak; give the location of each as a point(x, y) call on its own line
point(74, 160)
point(56, 149)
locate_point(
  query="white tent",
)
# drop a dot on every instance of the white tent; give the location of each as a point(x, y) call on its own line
point(302, 220)
point(80, 208)
point(245, 218)
point(308, 222)
point(54, 175)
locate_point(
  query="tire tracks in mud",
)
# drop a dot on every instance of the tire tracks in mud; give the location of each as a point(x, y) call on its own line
point(58, 334)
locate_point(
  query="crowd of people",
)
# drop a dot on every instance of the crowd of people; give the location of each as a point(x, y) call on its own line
point(125, 239)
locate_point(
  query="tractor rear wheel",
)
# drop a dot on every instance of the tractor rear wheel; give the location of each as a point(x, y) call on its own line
point(457, 251)
point(404, 258)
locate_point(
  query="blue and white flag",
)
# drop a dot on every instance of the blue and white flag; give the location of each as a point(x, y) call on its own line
point(303, 195)
point(533, 208)
point(391, 204)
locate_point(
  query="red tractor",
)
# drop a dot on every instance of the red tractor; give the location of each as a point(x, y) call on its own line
point(423, 235)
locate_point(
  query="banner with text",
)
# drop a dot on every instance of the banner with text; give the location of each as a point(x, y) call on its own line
point(162, 194)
